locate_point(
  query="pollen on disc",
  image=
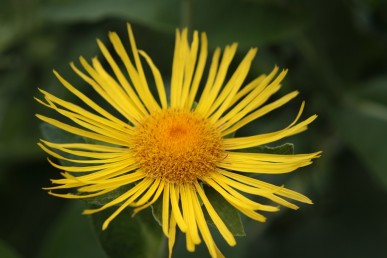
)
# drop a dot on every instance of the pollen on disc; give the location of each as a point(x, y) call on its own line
point(176, 146)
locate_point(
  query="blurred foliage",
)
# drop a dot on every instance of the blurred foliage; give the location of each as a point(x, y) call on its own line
point(336, 54)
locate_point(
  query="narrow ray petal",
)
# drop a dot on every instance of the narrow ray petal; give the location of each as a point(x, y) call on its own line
point(203, 227)
point(176, 212)
point(171, 235)
point(224, 231)
point(158, 79)
point(145, 94)
point(261, 139)
point(199, 71)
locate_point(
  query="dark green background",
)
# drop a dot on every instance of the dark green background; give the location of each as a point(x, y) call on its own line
point(336, 52)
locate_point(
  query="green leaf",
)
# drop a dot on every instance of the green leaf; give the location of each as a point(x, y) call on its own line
point(285, 149)
point(366, 135)
point(54, 134)
point(230, 135)
point(128, 237)
point(6, 251)
point(154, 13)
point(72, 235)
point(374, 90)
point(157, 210)
point(226, 212)
point(248, 24)
point(106, 198)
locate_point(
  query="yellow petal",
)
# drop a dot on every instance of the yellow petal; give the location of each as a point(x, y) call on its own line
point(224, 231)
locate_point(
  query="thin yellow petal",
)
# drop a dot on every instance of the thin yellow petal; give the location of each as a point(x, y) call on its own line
point(128, 197)
point(251, 214)
point(83, 196)
point(121, 180)
point(165, 210)
point(105, 149)
point(158, 80)
point(133, 75)
point(82, 161)
point(254, 98)
point(171, 235)
point(89, 154)
point(117, 124)
point(199, 71)
point(85, 99)
point(247, 189)
point(93, 125)
point(149, 193)
point(224, 231)
point(232, 196)
point(250, 158)
point(263, 167)
point(206, 107)
point(200, 108)
point(203, 227)
point(155, 198)
point(136, 105)
point(256, 84)
point(229, 91)
point(178, 67)
point(190, 63)
point(144, 93)
point(176, 212)
point(188, 213)
point(80, 132)
point(101, 181)
point(264, 185)
point(108, 88)
point(257, 140)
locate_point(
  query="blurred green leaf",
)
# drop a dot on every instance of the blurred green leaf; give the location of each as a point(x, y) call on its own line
point(157, 211)
point(366, 135)
point(285, 149)
point(154, 13)
point(54, 134)
point(245, 22)
point(226, 212)
point(105, 198)
point(71, 236)
point(227, 20)
point(129, 237)
point(374, 90)
point(6, 251)
point(363, 125)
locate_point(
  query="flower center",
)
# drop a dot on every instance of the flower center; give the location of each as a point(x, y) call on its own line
point(177, 146)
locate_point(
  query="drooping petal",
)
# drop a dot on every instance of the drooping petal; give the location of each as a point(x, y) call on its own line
point(224, 231)
point(176, 212)
point(158, 80)
point(192, 235)
point(261, 139)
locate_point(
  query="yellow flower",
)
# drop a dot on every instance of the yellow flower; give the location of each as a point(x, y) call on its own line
point(168, 147)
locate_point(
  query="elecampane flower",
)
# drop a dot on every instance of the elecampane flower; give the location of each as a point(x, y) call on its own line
point(167, 147)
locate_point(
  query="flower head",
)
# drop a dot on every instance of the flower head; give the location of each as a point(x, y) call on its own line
point(166, 148)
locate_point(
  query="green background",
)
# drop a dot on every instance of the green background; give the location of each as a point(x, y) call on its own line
point(336, 53)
